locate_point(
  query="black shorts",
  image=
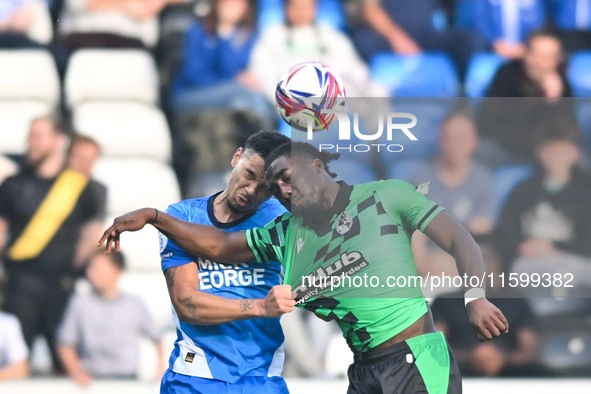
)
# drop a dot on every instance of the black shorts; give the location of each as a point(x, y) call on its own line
point(423, 364)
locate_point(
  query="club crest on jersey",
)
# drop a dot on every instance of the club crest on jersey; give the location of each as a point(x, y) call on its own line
point(163, 242)
point(344, 223)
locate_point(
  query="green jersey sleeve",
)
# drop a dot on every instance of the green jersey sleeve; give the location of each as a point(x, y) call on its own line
point(268, 243)
point(401, 199)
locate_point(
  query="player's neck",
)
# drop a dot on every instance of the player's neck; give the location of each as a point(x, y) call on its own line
point(110, 293)
point(452, 173)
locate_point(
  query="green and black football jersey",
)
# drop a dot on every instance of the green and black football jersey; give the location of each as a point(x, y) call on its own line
point(366, 244)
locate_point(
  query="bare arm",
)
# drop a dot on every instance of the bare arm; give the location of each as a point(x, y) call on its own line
point(486, 319)
point(16, 370)
point(86, 244)
point(3, 233)
point(198, 307)
point(73, 365)
point(139, 9)
point(380, 21)
point(196, 239)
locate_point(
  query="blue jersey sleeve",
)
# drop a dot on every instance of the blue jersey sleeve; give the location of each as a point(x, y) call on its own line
point(172, 255)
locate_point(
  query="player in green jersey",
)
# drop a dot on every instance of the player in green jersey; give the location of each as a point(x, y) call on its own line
point(337, 230)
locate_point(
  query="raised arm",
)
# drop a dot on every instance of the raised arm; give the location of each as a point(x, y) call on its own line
point(198, 240)
point(486, 319)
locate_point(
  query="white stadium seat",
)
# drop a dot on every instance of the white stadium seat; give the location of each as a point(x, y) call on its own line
point(28, 75)
point(15, 118)
point(141, 248)
point(136, 183)
point(125, 129)
point(111, 74)
point(151, 288)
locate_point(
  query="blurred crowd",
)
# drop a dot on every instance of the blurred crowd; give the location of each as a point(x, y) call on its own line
point(509, 163)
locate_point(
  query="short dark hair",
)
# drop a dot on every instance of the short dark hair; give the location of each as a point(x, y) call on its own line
point(543, 32)
point(116, 258)
point(82, 139)
point(302, 149)
point(265, 141)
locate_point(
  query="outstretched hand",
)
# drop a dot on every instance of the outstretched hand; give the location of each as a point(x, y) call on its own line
point(487, 320)
point(131, 221)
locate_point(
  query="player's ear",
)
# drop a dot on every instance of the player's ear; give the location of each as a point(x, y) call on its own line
point(237, 156)
point(317, 165)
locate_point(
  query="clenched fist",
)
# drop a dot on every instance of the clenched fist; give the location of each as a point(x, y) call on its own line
point(278, 301)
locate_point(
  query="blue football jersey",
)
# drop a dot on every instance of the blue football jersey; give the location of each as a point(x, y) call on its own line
point(227, 352)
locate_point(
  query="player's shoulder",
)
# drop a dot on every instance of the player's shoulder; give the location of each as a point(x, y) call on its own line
point(187, 209)
point(268, 211)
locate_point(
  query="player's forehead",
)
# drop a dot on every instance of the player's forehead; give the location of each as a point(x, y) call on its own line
point(278, 167)
point(253, 161)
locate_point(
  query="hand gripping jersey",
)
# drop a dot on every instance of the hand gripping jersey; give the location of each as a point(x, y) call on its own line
point(226, 352)
point(367, 235)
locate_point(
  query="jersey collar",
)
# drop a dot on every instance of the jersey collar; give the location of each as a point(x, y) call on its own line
point(343, 198)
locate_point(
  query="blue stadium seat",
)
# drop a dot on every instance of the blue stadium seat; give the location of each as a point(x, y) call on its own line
point(583, 109)
point(579, 73)
point(403, 169)
point(481, 70)
point(352, 171)
point(430, 114)
point(506, 178)
point(425, 75)
point(464, 10)
point(330, 12)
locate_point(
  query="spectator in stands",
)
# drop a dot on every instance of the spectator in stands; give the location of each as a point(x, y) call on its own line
point(83, 154)
point(546, 223)
point(300, 39)
point(99, 336)
point(507, 24)
point(44, 209)
point(213, 73)
point(13, 350)
point(540, 74)
point(512, 354)
point(16, 18)
point(458, 183)
point(572, 19)
point(408, 28)
point(110, 23)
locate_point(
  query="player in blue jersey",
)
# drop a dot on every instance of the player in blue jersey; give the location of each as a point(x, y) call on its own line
point(217, 350)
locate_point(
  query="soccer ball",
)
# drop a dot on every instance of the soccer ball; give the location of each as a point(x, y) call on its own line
point(306, 92)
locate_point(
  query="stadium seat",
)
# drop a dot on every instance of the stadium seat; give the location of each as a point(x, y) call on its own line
point(15, 119)
point(403, 169)
point(464, 14)
point(352, 171)
point(579, 73)
point(135, 183)
point(338, 357)
point(125, 129)
point(330, 12)
point(506, 178)
point(151, 288)
point(111, 74)
point(430, 115)
point(481, 71)
point(425, 75)
point(141, 248)
point(583, 110)
point(567, 353)
point(29, 75)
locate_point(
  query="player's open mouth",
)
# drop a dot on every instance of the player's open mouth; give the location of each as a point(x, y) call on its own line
point(242, 201)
